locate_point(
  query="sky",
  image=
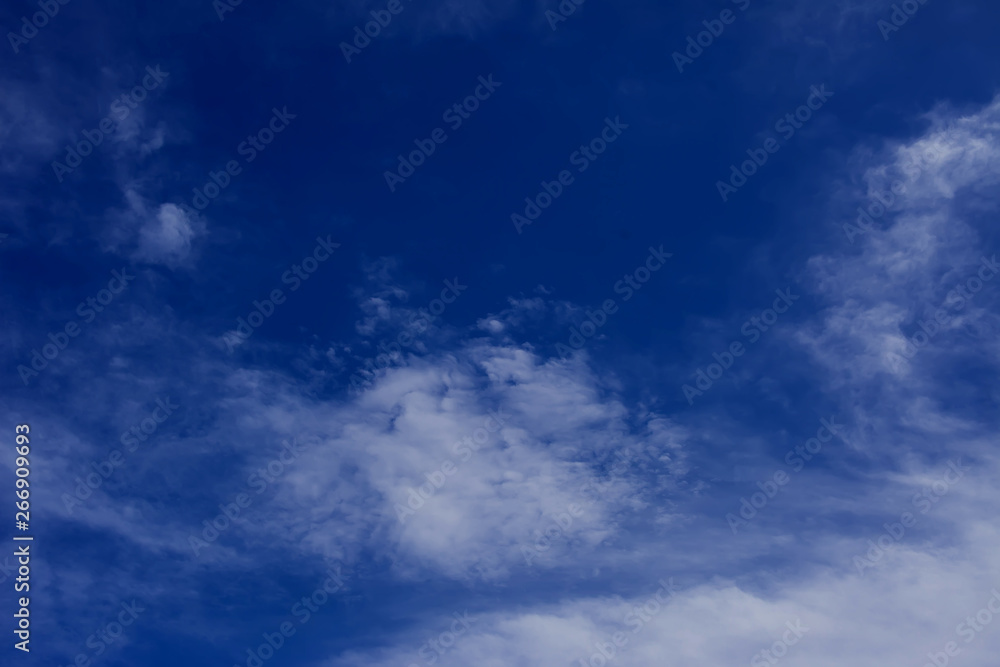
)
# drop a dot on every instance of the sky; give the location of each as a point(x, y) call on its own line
point(500, 333)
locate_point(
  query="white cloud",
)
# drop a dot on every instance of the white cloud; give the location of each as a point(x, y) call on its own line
point(157, 234)
point(408, 430)
point(166, 237)
point(896, 615)
point(338, 500)
point(914, 599)
point(904, 269)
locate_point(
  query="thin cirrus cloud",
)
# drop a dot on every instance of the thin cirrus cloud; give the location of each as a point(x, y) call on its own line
point(570, 505)
point(927, 583)
point(365, 452)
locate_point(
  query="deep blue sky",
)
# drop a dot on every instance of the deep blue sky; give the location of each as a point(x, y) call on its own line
point(918, 110)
